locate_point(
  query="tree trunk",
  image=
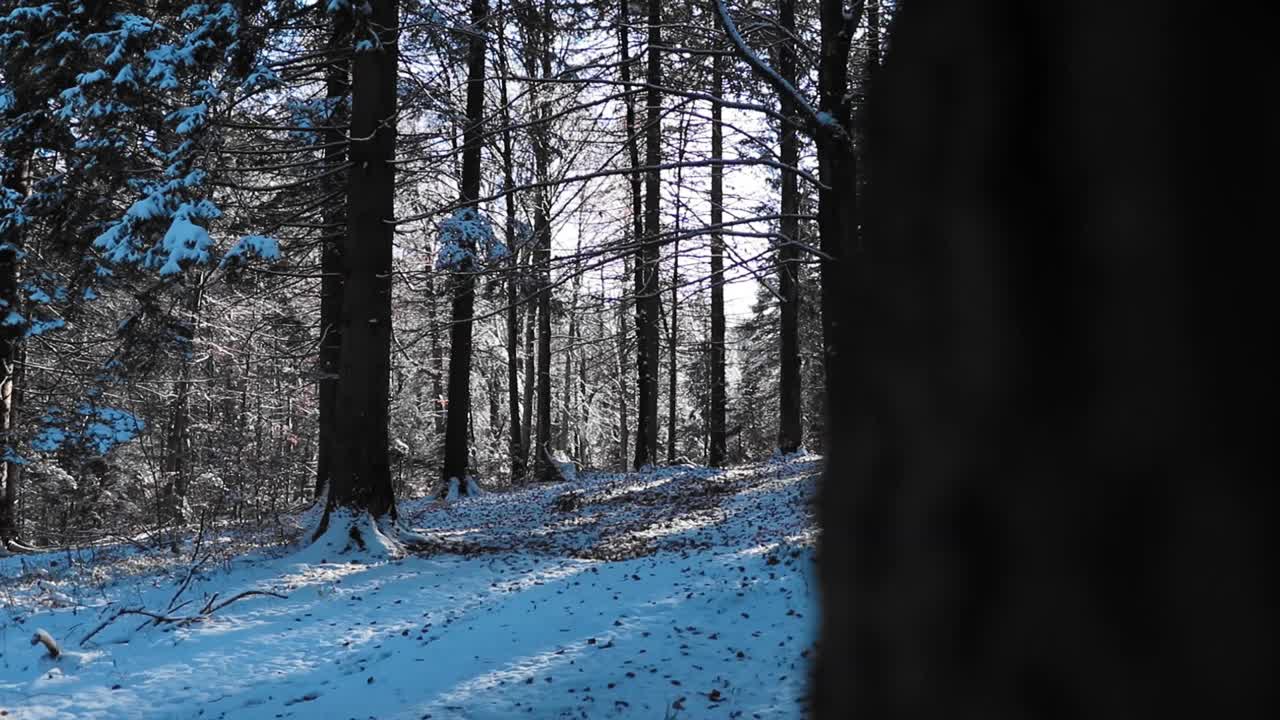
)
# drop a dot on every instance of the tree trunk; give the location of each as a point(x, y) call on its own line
point(464, 280)
point(545, 470)
point(568, 415)
point(437, 357)
point(516, 444)
point(790, 427)
point(542, 219)
point(647, 310)
point(582, 437)
point(637, 214)
point(716, 450)
point(530, 374)
point(176, 465)
point(837, 169)
point(337, 89)
point(494, 376)
point(1042, 496)
point(361, 475)
point(624, 426)
point(11, 336)
point(673, 334)
point(673, 360)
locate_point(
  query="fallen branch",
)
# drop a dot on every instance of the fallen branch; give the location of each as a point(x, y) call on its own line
point(180, 620)
point(244, 594)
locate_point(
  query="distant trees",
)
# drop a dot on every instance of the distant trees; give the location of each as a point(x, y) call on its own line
point(202, 219)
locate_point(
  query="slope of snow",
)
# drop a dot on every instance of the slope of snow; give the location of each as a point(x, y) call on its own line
point(684, 593)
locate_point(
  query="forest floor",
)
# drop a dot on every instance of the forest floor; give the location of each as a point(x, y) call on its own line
point(680, 593)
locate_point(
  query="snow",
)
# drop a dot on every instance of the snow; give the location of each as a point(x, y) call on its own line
point(36, 295)
point(43, 13)
point(684, 592)
point(252, 246)
point(91, 77)
point(189, 118)
point(126, 76)
point(100, 429)
point(261, 76)
point(185, 241)
point(40, 327)
point(460, 234)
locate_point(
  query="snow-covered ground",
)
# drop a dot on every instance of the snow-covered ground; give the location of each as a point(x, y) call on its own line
point(681, 593)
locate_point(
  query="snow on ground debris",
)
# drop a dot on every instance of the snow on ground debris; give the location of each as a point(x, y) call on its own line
point(680, 593)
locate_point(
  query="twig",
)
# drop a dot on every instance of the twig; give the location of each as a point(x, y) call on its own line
point(160, 618)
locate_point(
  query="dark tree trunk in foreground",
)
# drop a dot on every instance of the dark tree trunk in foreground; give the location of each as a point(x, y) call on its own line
point(361, 476)
point(716, 449)
point(456, 445)
point(1043, 496)
point(337, 88)
point(790, 397)
point(647, 307)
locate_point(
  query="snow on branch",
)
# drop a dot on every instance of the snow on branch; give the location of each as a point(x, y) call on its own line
point(820, 118)
point(251, 246)
point(464, 233)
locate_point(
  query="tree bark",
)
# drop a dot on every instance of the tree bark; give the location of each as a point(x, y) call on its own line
point(1042, 496)
point(361, 476)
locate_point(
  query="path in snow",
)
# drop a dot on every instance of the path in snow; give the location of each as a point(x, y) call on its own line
point(683, 593)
